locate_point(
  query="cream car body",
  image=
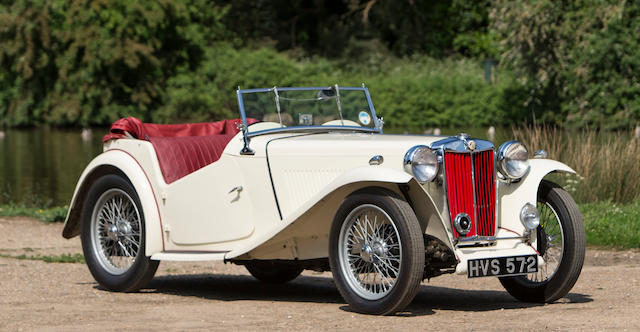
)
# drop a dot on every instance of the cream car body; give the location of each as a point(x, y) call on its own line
point(279, 202)
point(199, 217)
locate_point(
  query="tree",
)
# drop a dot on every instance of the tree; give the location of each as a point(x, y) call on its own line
point(90, 62)
point(577, 59)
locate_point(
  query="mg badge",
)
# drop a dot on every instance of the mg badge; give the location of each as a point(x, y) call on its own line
point(471, 145)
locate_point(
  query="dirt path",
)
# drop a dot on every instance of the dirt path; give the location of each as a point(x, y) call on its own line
point(35, 295)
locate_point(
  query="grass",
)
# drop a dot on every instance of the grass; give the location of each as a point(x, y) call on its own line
point(64, 258)
point(607, 163)
point(54, 214)
point(612, 225)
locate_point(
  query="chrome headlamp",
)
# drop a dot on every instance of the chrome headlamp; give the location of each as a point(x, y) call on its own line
point(529, 216)
point(422, 163)
point(513, 160)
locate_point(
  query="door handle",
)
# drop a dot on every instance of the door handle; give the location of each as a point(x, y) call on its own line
point(236, 188)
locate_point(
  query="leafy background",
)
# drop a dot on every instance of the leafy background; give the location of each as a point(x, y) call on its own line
point(81, 63)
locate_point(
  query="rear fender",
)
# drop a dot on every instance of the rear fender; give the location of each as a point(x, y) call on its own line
point(118, 162)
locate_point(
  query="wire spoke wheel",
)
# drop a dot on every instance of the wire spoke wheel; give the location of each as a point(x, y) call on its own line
point(116, 231)
point(372, 252)
point(560, 240)
point(113, 235)
point(376, 251)
point(550, 241)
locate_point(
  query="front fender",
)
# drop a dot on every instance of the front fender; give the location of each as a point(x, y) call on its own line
point(307, 228)
point(303, 221)
point(364, 174)
point(118, 161)
point(513, 196)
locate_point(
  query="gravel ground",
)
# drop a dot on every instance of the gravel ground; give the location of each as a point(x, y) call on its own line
point(35, 295)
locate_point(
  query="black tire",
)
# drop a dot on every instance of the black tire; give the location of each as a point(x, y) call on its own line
point(273, 272)
point(410, 250)
point(573, 236)
point(142, 270)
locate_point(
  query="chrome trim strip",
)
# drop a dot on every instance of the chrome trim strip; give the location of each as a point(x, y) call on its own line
point(440, 154)
point(275, 91)
point(454, 143)
point(312, 129)
point(338, 104)
point(473, 186)
point(302, 88)
point(377, 125)
point(241, 106)
point(490, 238)
point(495, 179)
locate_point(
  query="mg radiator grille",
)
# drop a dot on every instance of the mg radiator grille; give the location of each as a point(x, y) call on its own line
point(471, 189)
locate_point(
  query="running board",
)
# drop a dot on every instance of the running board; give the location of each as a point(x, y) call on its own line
point(189, 256)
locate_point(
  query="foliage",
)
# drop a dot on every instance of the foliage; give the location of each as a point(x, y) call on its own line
point(54, 214)
point(415, 92)
point(607, 166)
point(208, 92)
point(332, 28)
point(422, 92)
point(577, 59)
point(89, 62)
point(612, 225)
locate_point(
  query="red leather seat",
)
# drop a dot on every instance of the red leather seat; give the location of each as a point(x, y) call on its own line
point(181, 148)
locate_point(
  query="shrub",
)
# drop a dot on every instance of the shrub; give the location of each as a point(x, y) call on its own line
point(423, 92)
point(415, 92)
point(208, 92)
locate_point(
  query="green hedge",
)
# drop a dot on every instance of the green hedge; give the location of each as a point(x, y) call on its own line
point(86, 63)
point(82, 62)
point(416, 92)
point(578, 59)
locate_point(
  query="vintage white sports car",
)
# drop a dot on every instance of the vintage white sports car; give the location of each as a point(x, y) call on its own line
point(306, 179)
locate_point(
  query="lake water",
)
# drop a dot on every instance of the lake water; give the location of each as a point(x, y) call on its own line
point(40, 166)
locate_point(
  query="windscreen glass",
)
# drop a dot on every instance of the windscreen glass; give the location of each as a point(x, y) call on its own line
point(313, 107)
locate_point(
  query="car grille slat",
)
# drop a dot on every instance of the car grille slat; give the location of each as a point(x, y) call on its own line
point(470, 183)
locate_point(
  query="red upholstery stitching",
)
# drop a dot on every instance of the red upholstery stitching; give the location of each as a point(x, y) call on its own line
point(181, 149)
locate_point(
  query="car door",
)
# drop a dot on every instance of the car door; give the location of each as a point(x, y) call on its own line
point(210, 205)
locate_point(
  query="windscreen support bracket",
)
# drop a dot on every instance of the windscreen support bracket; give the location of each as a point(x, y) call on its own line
point(246, 150)
point(339, 104)
point(275, 91)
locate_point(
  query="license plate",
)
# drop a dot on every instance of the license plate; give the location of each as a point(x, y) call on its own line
point(502, 266)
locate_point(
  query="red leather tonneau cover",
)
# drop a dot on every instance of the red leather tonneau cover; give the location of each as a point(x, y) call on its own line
point(181, 148)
